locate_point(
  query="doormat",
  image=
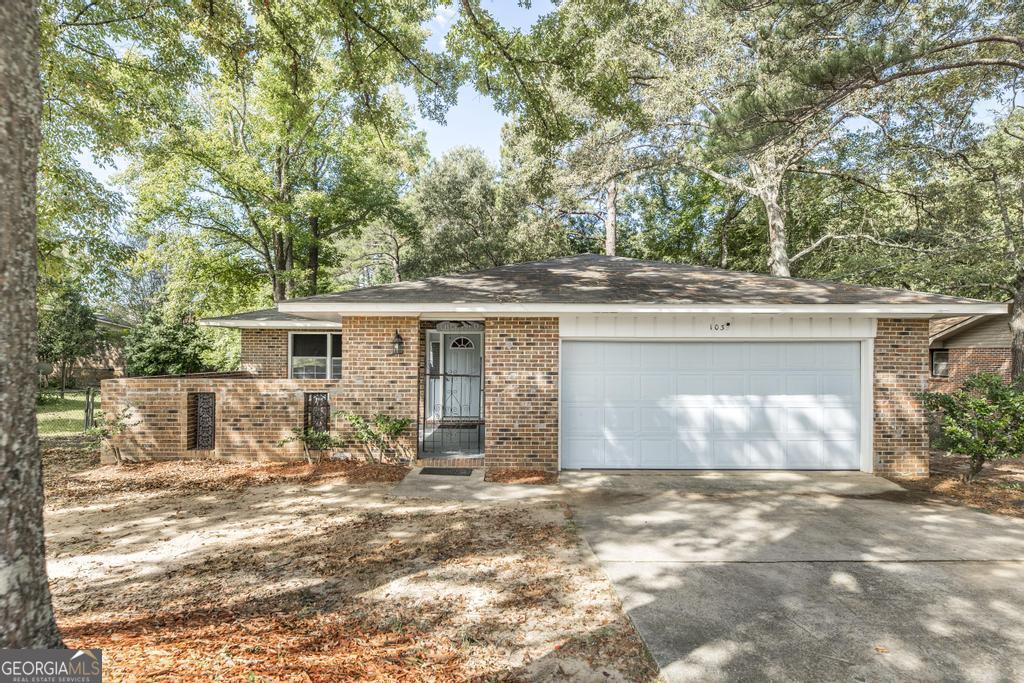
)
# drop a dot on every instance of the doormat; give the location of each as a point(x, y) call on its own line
point(448, 471)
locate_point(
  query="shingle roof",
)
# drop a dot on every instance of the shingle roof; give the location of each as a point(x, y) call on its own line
point(593, 279)
point(267, 317)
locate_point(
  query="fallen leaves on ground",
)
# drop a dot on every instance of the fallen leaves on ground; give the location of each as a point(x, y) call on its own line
point(333, 582)
point(999, 488)
point(72, 473)
point(520, 476)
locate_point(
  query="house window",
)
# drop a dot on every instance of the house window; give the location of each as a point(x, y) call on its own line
point(940, 363)
point(315, 356)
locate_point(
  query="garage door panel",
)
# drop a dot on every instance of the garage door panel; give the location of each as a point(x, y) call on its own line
point(804, 453)
point(657, 357)
point(582, 387)
point(695, 418)
point(729, 384)
point(622, 357)
point(623, 389)
point(765, 453)
point(840, 419)
point(730, 454)
point(583, 452)
point(730, 419)
point(803, 356)
point(729, 356)
point(581, 421)
point(845, 452)
point(660, 388)
point(696, 356)
point(691, 384)
point(682, 405)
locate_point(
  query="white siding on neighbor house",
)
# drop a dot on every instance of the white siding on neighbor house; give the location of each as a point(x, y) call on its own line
point(738, 327)
point(988, 334)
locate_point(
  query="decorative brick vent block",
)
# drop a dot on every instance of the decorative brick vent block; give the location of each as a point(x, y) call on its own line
point(901, 374)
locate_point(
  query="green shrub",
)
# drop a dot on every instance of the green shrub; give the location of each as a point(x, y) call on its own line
point(313, 441)
point(379, 435)
point(983, 420)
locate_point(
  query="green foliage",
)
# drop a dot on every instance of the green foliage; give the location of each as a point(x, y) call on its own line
point(165, 344)
point(379, 435)
point(313, 441)
point(983, 420)
point(67, 331)
point(109, 426)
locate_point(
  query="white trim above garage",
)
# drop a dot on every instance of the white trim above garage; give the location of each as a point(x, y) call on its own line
point(724, 327)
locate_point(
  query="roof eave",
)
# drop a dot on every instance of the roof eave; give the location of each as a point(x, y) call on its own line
point(916, 310)
point(274, 324)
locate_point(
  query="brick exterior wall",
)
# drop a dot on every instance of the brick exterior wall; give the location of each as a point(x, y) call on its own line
point(254, 412)
point(521, 392)
point(964, 362)
point(901, 372)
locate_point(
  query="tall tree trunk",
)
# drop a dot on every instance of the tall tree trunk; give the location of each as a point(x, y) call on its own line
point(313, 263)
point(767, 177)
point(63, 378)
point(289, 266)
point(26, 610)
point(611, 197)
point(279, 277)
point(1017, 328)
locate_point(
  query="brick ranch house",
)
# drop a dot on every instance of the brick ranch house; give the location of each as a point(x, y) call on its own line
point(966, 345)
point(578, 362)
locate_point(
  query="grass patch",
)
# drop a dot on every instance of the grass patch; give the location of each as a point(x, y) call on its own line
point(63, 416)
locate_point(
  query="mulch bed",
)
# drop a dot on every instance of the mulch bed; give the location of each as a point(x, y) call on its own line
point(519, 476)
point(72, 471)
point(999, 488)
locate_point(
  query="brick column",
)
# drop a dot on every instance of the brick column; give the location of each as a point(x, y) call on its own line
point(372, 380)
point(521, 393)
point(901, 373)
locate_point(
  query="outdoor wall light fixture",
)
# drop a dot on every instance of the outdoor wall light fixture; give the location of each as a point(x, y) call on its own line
point(397, 345)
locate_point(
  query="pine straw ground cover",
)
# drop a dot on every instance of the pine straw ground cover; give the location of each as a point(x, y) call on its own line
point(326, 580)
point(520, 476)
point(999, 488)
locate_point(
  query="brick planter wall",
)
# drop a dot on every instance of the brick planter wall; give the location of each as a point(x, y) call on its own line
point(964, 362)
point(901, 372)
point(521, 392)
point(254, 412)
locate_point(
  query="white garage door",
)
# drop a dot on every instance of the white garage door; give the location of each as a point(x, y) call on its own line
point(720, 405)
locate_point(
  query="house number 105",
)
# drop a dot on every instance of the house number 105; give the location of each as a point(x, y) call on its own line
point(719, 327)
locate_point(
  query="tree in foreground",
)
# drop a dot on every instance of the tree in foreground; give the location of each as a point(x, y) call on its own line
point(67, 332)
point(26, 609)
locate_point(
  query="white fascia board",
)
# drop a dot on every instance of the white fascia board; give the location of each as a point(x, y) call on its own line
point(430, 309)
point(271, 325)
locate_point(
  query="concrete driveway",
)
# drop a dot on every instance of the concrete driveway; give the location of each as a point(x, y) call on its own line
point(801, 576)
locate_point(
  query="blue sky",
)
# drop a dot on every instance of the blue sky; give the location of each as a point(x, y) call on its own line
point(473, 121)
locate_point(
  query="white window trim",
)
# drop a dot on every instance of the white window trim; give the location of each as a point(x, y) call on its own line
point(330, 357)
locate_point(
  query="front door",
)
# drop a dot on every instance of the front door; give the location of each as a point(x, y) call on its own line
point(454, 371)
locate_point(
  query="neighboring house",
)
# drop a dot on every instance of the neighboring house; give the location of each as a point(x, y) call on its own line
point(577, 362)
point(966, 345)
point(107, 361)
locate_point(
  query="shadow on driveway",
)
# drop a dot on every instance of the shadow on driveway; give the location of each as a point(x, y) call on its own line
point(807, 576)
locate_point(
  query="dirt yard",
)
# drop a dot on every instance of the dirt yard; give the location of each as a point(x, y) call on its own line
point(230, 572)
point(999, 488)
